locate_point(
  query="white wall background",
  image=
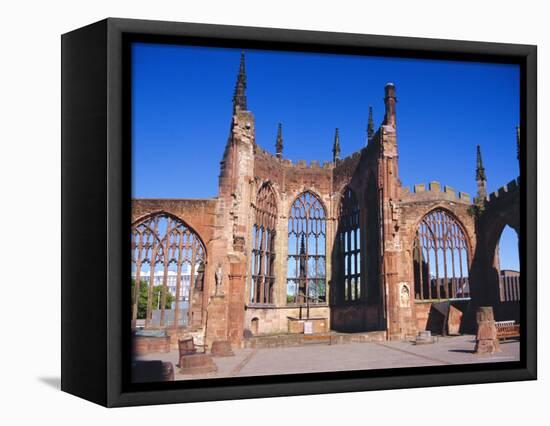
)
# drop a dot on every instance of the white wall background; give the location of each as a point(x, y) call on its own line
point(30, 209)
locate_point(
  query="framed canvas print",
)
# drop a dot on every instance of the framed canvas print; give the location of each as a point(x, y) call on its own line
point(253, 212)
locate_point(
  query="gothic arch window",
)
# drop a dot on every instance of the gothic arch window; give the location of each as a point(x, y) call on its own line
point(440, 258)
point(306, 263)
point(349, 244)
point(167, 260)
point(263, 247)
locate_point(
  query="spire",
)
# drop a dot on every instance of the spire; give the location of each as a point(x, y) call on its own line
point(336, 147)
point(480, 178)
point(279, 143)
point(302, 255)
point(517, 140)
point(239, 96)
point(370, 126)
point(480, 170)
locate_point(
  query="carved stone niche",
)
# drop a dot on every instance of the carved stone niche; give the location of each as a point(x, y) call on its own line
point(404, 295)
point(238, 244)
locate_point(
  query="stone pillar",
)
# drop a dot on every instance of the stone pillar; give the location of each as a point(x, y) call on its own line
point(390, 100)
point(225, 320)
point(398, 291)
point(236, 298)
point(217, 319)
point(486, 338)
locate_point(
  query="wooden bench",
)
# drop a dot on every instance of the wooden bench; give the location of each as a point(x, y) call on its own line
point(507, 329)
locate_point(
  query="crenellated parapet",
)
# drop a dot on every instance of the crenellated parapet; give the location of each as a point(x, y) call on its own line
point(510, 189)
point(303, 164)
point(262, 154)
point(288, 175)
point(433, 192)
point(308, 175)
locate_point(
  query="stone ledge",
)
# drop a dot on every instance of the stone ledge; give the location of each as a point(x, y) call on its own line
point(293, 340)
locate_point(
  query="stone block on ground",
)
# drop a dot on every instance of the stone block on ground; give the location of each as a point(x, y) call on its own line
point(486, 337)
point(453, 321)
point(221, 348)
point(424, 337)
point(197, 363)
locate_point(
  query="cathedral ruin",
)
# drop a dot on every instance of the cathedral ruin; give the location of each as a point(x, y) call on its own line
point(341, 247)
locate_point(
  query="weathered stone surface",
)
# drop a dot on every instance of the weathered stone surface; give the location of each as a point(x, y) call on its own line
point(486, 337)
point(454, 321)
point(151, 344)
point(221, 348)
point(197, 363)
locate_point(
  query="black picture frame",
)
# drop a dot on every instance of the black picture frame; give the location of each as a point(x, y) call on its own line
point(96, 211)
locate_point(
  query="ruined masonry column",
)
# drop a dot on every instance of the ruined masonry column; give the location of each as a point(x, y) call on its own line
point(397, 292)
point(233, 229)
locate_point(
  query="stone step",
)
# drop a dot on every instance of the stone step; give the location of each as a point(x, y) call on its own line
point(313, 339)
point(290, 340)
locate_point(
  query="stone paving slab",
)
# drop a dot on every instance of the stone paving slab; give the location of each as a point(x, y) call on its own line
point(351, 356)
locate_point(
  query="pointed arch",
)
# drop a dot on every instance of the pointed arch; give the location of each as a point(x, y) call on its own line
point(146, 221)
point(441, 257)
point(167, 255)
point(306, 262)
point(263, 246)
point(508, 273)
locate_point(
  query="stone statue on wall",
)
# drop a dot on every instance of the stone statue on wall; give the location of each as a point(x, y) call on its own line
point(219, 278)
point(405, 296)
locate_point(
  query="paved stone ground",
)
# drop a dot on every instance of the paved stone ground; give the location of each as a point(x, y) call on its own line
point(350, 356)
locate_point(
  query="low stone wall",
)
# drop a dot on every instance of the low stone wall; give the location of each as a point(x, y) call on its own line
point(164, 343)
point(151, 344)
point(371, 336)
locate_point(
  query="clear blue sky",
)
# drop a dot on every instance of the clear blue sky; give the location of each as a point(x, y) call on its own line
point(182, 112)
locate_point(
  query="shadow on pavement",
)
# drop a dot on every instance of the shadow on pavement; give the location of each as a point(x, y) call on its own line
point(462, 351)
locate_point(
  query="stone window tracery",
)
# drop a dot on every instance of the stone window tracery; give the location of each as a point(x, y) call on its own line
point(306, 263)
point(440, 258)
point(167, 257)
point(349, 243)
point(263, 247)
